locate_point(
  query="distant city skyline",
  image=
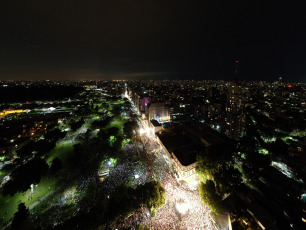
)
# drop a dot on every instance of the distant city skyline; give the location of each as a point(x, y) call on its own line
point(152, 40)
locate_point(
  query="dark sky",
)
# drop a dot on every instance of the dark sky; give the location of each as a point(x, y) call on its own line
point(151, 39)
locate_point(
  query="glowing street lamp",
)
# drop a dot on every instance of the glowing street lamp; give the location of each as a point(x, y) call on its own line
point(142, 131)
point(182, 207)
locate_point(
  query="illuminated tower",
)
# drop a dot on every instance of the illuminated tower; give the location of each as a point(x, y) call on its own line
point(234, 108)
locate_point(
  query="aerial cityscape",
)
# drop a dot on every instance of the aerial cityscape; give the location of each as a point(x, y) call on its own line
point(161, 115)
point(152, 154)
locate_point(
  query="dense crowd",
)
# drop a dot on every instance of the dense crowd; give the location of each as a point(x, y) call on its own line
point(155, 165)
point(168, 217)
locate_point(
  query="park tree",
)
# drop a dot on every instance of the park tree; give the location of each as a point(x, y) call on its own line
point(77, 124)
point(102, 138)
point(20, 217)
point(113, 131)
point(142, 227)
point(127, 104)
point(105, 105)
point(125, 200)
point(38, 148)
point(129, 127)
point(55, 166)
point(247, 143)
point(205, 167)
point(85, 160)
point(248, 173)
point(227, 179)
point(44, 146)
point(278, 148)
point(257, 160)
point(54, 135)
point(102, 123)
point(211, 159)
point(154, 194)
point(25, 175)
point(87, 134)
point(116, 110)
point(121, 203)
point(210, 197)
point(128, 130)
point(79, 158)
point(117, 145)
point(27, 151)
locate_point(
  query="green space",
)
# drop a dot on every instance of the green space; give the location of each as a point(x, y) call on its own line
point(263, 151)
point(94, 115)
point(117, 122)
point(118, 102)
point(80, 157)
point(9, 204)
point(62, 150)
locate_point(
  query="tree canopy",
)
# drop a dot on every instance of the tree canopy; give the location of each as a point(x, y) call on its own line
point(56, 165)
point(129, 127)
point(20, 216)
point(125, 200)
point(210, 197)
point(25, 175)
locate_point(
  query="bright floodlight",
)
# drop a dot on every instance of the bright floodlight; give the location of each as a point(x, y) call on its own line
point(147, 130)
point(136, 176)
point(182, 207)
point(109, 163)
point(142, 131)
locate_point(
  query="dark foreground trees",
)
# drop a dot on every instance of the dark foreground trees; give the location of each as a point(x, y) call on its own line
point(129, 127)
point(55, 166)
point(20, 217)
point(25, 175)
point(122, 202)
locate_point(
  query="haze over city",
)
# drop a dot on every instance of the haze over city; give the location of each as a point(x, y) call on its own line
point(139, 39)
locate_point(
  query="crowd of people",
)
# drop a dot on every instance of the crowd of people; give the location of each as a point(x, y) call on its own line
point(168, 217)
point(155, 165)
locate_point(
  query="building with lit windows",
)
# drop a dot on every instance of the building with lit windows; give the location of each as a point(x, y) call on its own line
point(160, 112)
point(235, 117)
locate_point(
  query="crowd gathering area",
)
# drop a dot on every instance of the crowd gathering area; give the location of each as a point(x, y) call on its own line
point(94, 170)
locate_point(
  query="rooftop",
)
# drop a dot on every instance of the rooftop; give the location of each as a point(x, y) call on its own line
point(182, 145)
point(187, 140)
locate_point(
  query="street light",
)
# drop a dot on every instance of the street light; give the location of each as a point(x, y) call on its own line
point(142, 131)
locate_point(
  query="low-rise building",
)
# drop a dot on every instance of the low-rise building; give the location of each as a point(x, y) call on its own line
point(182, 144)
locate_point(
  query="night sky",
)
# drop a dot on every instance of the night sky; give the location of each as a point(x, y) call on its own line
point(150, 39)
